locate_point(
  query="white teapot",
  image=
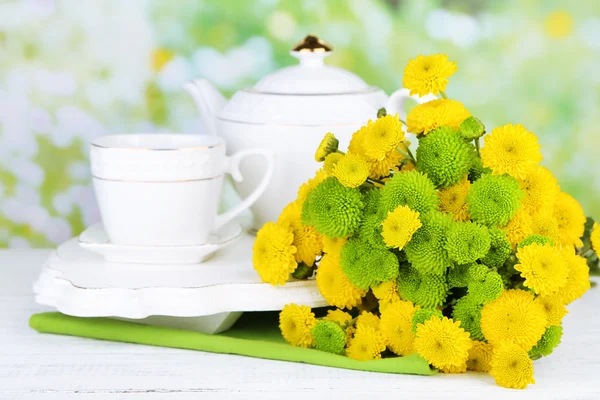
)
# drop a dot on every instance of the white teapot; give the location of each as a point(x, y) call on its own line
point(289, 111)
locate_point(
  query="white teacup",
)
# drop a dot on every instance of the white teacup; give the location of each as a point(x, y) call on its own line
point(165, 189)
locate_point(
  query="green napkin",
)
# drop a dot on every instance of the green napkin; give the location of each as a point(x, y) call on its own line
point(255, 335)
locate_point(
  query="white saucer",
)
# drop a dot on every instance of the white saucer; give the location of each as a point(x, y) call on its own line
point(95, 239)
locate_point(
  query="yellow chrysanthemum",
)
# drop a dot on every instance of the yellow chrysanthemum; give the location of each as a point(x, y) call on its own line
point(273, 253)
point(519, 227)
point(377, 168)
point(511, 366)
point(328, 145)
point(352, 170)
point(543, 223)
point(480, 356)
point(513, 318)
point(308, 242)
point(399, 226)
point(333, 245)
point(333, 284)
point(540, 188)
point(382, 168)
point(387, 292)
point(554, 308)
point(339, 316)
point(396, 326)
point(409, 166)
point(461, 369)
point(356, 141)
point(350, 331)
point(291, 212)
point(296, 324)
point(330, 161)
point(382, 136)
point(442, 342)
point(595, 238)
point(578, 279)
point(428, 74)
point(367, 344)
point(571, 219)
point(367, 318)
point(543, 268)
point(308, 186)
point(426, 117)
point(452, 200)
point(511, 149)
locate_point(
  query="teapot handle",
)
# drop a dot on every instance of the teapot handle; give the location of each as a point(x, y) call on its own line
point(397, 99)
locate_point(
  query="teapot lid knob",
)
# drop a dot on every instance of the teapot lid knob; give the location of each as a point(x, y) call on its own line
point(312, 44)
point(311, 51)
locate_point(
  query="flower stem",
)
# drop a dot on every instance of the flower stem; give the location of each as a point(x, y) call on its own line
point(587, 253)
point(402, 121)
point(404, 153)
point(376, 180)
point(349, 323)
point(409, 152)
point(443, 94)
point(477, 147)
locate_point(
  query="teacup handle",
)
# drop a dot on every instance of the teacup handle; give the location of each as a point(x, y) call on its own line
point(233, 168)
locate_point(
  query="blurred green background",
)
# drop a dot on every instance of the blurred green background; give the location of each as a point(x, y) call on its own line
point(74, 70)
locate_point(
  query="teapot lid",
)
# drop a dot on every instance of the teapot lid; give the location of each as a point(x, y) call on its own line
point(311, 76)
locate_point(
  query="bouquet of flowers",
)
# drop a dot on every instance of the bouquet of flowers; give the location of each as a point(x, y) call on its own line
point(464, 254)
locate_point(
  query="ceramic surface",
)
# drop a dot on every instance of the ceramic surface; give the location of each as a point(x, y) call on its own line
point(164, 189)
point(289, 112)
point(95, 239)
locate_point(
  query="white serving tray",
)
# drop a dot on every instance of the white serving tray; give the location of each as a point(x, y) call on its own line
point(207, 297)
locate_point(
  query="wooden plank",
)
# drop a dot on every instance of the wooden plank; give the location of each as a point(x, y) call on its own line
point(33, 365)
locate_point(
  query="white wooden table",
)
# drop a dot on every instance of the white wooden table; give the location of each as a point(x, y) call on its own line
point(34, 365)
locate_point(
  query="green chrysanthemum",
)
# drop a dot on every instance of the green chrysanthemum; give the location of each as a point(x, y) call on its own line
point(458, 275)
point(494, 199)
point(412, 189)
point(478, 170)
point(371, 199)
point(365, 266)
point(477, 272)
point(329, 337)
point(471, 128)
point(467, 310)
point(549, 341)
point(424, 314)
point(426, 250)
point(333, 209)
point(425, 290)
point(370, 231)
point(444, 156)
point(499, 249)
point(487, 289)
point(539, 239)
point(467, 242)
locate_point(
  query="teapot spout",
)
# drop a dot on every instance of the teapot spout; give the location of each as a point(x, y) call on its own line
point(209, 101)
